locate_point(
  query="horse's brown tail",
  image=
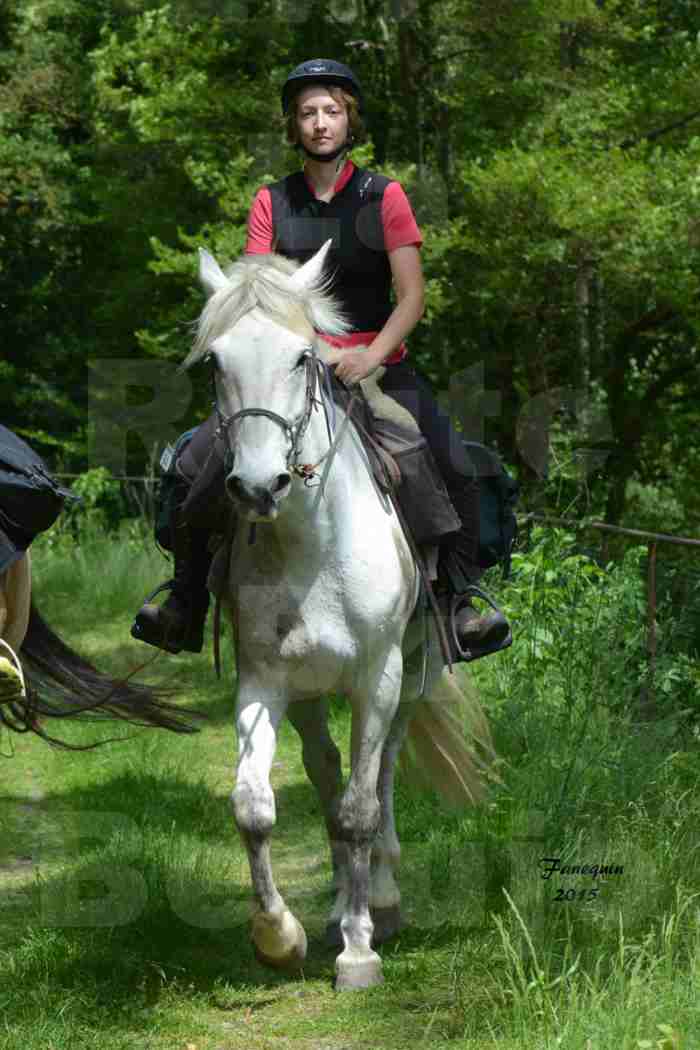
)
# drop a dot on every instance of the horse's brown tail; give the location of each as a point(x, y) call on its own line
point(62, 684)
point(449, 745)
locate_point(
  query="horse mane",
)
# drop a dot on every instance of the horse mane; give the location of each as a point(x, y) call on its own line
point(264, 281)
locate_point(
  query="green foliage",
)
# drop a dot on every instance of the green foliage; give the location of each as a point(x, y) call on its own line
point(550, 150)
point(99, 509)
point(570, 696)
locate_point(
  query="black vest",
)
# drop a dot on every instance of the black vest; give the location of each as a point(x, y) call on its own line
point(357, 259)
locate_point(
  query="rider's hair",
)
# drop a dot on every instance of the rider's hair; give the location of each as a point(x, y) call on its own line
point(355, 126)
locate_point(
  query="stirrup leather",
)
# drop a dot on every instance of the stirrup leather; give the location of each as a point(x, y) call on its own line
point(456, 603)
point(169, 585)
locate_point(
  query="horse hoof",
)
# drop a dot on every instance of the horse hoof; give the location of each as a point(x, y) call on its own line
point(291, 962)
point(282, 946)
point(387, 923)
point(333, 937)
point(356, 975)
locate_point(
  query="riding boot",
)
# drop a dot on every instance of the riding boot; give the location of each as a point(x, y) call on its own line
point(471, 633)
point(179, 622)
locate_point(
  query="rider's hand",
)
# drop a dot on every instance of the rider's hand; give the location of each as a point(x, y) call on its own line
point(352, 365)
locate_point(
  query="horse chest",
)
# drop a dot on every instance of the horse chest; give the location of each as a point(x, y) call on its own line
point(313, 620)
point(304, 636)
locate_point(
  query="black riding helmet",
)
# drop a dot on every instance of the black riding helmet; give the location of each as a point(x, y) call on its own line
point(320, 71)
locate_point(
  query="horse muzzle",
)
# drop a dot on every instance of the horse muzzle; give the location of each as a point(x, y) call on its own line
point(258, 501)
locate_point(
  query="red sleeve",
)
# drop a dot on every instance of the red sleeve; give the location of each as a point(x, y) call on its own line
point(260, 236)
point(400, 227)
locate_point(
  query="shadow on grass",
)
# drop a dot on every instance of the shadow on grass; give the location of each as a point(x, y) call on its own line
point(132, 966)
point(166, 804)
point(193, 928)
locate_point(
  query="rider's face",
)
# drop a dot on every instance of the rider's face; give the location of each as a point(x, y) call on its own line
point(322, 121)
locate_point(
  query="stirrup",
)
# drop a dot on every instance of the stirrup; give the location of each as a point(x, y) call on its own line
point(475, 653)
point(141, 635)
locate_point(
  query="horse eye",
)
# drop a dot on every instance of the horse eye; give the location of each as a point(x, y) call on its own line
point(302, 360)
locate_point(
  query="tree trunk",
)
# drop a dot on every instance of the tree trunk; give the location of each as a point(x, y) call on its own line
point(582, 366)
point(597, 325)
point(409, 74)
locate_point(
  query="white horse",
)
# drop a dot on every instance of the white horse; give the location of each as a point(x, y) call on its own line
point(319, 601)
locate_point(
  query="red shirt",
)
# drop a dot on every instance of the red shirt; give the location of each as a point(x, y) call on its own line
point(399, 226)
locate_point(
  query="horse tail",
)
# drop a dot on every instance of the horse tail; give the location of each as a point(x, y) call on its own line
point(62, 684)
point(449, 746)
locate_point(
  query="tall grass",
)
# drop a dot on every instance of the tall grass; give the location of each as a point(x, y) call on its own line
point(86, 574)
point(490, 957)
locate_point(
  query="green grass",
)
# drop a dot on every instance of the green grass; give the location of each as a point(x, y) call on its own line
point(124, 892)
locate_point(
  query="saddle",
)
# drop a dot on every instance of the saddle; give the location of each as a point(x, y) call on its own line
point(401, 460)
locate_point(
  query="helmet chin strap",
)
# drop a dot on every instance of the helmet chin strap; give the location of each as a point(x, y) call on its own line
point(345, 148)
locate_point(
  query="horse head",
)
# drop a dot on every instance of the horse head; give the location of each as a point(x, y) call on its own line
point(258, 329)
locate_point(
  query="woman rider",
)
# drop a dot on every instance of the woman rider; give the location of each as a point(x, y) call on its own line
point(375, 243)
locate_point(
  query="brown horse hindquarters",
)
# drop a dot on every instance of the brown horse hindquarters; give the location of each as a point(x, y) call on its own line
point(15, 601)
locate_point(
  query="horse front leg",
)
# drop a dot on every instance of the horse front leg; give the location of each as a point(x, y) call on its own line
point(278, 937)
point(359, 814)
point(385, 897)
point(323, 768)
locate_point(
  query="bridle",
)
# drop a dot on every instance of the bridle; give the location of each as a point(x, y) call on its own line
point(316, 372)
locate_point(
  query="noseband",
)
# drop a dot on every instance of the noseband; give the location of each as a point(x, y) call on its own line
point(295, 433)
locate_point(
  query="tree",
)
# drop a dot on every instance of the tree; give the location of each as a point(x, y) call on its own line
point(550, 151)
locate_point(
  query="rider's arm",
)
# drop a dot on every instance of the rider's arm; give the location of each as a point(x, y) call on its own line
point(407, 274)
point(402, 240)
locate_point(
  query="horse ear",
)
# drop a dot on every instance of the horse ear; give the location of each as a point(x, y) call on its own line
point(211, 275)
point(309, 275)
